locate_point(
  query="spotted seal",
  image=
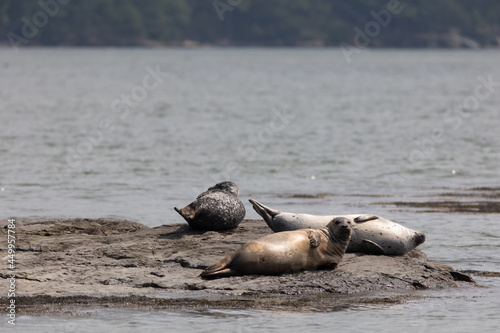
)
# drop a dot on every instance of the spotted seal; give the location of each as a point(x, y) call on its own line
point(218, 208)
point(287, 252)
point(371, 234)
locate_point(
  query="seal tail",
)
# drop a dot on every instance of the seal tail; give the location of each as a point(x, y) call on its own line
point(267, 213)
point(219, 270)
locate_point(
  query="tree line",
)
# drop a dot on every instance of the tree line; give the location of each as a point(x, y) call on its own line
point(417, 23)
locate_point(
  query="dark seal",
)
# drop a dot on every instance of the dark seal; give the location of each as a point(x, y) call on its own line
point(218, 208)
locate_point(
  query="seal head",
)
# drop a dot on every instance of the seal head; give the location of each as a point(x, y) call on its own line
point(340, 229)
point(225, 186)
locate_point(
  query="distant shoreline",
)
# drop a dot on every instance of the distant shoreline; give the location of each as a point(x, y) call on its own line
point(225, 44)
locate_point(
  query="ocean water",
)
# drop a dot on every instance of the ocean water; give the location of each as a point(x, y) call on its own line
point(131, 133)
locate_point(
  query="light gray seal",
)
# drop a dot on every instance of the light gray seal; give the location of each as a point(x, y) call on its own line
point(371, 234)
point(287, 252)
point(218, 208)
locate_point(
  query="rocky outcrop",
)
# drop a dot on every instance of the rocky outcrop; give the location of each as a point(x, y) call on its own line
point(96, 259)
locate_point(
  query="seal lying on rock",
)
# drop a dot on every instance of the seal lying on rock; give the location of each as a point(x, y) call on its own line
point(370, 234)
point(286, 252)
point(218, 208)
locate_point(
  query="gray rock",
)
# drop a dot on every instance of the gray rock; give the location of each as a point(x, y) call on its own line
point(99, 258)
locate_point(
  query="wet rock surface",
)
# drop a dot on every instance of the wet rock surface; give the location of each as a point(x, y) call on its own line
point(84, 262)
point(477, 200)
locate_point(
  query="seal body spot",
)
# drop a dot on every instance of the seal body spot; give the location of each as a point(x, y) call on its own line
point(286, 252)
point(384, 236)
point(218, 208)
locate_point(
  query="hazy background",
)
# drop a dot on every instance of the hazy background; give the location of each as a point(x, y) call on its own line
point(87, 130)
point(253, 22)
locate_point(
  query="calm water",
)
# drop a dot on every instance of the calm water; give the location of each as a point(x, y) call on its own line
point(132, 133)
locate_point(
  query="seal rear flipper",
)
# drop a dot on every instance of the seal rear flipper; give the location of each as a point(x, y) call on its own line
point(187, 212)
point(218, 273)
point(365, 218)
point(267, 213)
point(370, 247)
point(220, 269)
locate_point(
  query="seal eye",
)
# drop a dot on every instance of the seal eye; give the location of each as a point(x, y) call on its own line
point(337, 222)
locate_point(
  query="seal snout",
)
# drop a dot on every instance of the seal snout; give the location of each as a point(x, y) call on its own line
point(342, 222)
point(343, 225)
point(419, 238)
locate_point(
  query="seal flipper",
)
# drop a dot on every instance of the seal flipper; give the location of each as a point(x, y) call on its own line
point(187, 212)
point(314, 238)
point(365, 218)
point(220, 269)
point(370, 247)
point(226, 272)
point(267, 213)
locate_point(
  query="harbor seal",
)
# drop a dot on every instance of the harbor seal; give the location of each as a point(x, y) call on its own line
point(371, 234)
point(218, 208)
point(287, 252)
